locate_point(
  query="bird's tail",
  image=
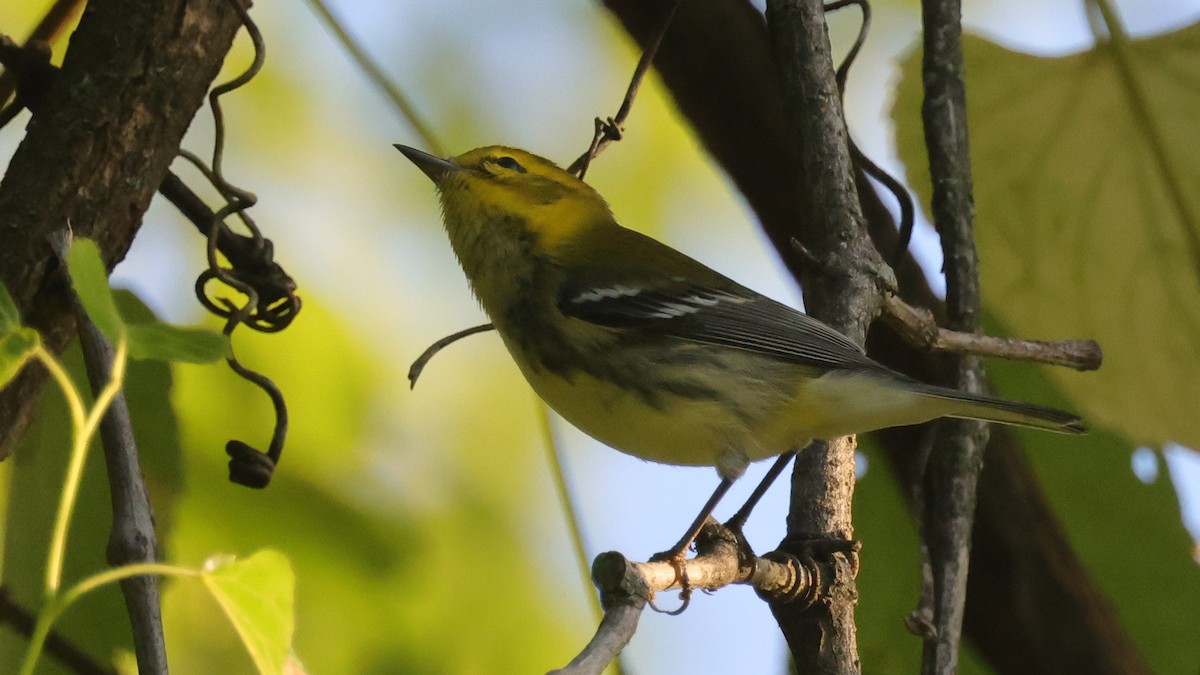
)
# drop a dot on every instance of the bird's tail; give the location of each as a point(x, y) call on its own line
point(1004, 411)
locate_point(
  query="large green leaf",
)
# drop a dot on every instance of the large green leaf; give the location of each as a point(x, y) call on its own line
point(1129, 534)
point(1079, 233)
point(1078, 237)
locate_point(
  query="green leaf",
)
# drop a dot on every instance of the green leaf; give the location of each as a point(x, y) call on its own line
point(164, 342)
point(1129, 534)
point(10, 317)
point(90, 280)
point(1079, 233)
point(148, 338)
point(16, 348)
point(257, 596)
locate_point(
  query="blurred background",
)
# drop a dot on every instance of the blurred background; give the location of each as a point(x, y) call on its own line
point(423, 524)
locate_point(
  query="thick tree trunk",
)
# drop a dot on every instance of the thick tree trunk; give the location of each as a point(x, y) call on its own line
point(133, 77)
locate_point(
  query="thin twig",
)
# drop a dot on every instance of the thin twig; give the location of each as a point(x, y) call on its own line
point(920, 621)
point(247, 466)
point(920, 330)
point(375, 74)
point(132, 539)
point(570, 513)
point(611, 129)
point(952, 472)
point(861, 160)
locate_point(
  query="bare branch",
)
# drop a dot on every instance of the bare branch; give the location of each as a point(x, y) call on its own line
point(721, 560)
point(132, 538)
point(918, 328)
point(844, 289)
point(952, 471)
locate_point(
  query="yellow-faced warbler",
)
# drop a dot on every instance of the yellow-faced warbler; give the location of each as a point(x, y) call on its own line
point(653, 353)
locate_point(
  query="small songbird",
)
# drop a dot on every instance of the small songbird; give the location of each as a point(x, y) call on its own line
point(653, 353)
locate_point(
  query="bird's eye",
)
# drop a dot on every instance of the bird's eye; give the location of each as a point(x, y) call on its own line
point(510, 163)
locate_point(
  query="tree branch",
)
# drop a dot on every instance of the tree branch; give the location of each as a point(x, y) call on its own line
point(626, 587)
point(132, 538)
point(918, 327)
point(951, 475)
point(844, 290)
point(95, 152)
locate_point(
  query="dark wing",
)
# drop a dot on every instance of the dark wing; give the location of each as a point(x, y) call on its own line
point(722, 314)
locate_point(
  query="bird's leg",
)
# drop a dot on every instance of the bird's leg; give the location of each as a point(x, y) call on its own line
point(738, 521)
point(677, 552)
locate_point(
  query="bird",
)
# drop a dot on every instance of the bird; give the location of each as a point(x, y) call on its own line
point(653, 353)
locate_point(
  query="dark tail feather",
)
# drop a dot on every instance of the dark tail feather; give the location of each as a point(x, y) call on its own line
point(1004, 411)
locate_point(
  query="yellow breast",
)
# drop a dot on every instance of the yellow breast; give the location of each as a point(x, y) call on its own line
point(660, 422)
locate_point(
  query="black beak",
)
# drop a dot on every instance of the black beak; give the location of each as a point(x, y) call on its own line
point(435, 167)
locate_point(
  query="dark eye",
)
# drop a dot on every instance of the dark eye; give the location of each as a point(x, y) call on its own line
point(510, 163)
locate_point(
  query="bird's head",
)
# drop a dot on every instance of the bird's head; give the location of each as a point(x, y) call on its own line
point(498, 186)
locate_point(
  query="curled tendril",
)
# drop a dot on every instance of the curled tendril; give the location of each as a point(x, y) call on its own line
point(270, 295)
point(613, 128)
point(905, 201)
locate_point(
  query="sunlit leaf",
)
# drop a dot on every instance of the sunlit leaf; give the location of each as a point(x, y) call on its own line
point(90, 280)
point(257, 594)
point(164, 342)
point(148, 339)
point(15, 348)
point(1078, 232)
